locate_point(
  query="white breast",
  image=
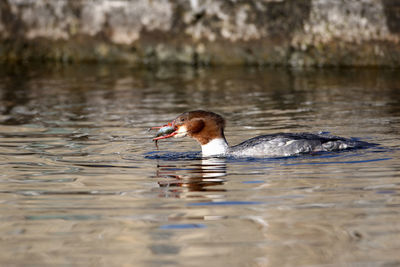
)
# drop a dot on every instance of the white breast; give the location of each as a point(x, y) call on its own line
point(215, 147)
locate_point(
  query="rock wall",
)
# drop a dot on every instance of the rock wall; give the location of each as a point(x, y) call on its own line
point(270, 32)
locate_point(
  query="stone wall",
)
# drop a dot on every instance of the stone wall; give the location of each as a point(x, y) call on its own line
point(265, 32)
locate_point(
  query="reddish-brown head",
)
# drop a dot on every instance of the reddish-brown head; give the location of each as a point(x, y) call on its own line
point(202, 125)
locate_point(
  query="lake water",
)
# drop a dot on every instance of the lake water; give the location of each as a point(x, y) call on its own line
point(82, 184)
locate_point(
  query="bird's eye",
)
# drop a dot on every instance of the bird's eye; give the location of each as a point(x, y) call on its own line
point(182, 119)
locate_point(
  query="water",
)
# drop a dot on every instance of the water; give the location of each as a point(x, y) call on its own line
point(82, 184)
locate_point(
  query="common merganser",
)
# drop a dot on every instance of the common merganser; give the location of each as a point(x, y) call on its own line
point(208, 129)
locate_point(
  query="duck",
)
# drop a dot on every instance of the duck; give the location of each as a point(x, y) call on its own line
point(207, 128)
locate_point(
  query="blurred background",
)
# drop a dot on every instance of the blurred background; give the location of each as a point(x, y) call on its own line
point(203, 32)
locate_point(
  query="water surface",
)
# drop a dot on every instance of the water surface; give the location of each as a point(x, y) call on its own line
point(82, 184)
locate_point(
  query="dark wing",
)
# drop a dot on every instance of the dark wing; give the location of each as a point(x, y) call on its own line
point(328, 142)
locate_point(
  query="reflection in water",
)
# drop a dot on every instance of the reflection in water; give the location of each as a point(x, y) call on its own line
point(180, 177)
point(81, 182)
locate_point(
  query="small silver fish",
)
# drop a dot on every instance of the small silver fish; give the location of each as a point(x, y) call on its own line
point(162, 131)
point(165, 130)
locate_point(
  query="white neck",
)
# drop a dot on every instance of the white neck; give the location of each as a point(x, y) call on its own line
point(215, 147)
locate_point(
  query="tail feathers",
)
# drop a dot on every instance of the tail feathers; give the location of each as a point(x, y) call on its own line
point(344, 144)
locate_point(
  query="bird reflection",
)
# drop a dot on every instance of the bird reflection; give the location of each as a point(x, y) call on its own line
point(182, 177)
